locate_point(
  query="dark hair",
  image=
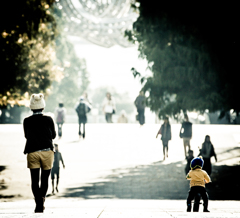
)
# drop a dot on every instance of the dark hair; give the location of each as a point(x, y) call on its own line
point(110, 97)
point(190, 151)
point(166, 118)
point(60, 104)
point(37, 110)
point(207, 136)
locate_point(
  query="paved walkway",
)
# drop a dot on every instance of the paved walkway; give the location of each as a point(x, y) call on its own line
point(117, 171)
point(73, 207)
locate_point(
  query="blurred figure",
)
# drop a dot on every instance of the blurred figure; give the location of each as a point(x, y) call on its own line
point(165, 131)
point(39, 131)
point(140, 105)
point(60, 114)
point(56, 167)
point(207, 151)
point(123, 117)
point(82, 109)
point(109, 107)
point(189, 159)
point(85, 96)
point(186, 134)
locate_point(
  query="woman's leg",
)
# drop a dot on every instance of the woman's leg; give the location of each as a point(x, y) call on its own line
point(163, 150)
point(83, 130)
point(35, 182)
point(110, 118)
point(44, 182)
point(166, 147)
point(79, 129)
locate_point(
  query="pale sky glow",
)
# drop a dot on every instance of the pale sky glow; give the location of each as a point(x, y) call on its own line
point(111, 66)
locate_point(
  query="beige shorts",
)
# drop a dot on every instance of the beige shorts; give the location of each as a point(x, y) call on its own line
point(42, 159)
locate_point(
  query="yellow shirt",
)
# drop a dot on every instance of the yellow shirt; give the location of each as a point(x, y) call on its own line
point(198, 177)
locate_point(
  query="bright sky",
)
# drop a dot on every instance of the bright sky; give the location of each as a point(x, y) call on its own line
point(111, 66)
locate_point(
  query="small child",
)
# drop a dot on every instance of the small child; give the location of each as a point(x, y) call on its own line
point(56, 167)
point(189, 159)
point(198, 178)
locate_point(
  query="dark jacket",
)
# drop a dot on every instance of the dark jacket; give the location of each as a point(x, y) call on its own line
point(140, 102)
point(203, 150)
point(166, 132)
point(82, 109)
point(187, 130)
point(39, 131)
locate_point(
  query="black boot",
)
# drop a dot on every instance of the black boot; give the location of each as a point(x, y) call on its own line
point(39, 205)
point(189, 207)
point(43, 203)
point(205, 207)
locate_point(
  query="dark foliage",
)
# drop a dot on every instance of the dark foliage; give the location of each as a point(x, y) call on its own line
point(192, 50)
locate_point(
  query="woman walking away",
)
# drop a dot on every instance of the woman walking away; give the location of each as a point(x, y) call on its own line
point(207, 152)
point(39, 131)
point(165, 131)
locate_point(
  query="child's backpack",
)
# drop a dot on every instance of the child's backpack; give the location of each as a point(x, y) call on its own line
point(60, 115)
point(81, 110)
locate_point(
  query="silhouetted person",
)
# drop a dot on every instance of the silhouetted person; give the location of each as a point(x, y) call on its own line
point(39, 131)
point(186, 134)
point(60, 114)
point(140, 105)
point(56, 167)
point(207, 151)
point(122, 118)
point(82, 109)
point(166, 135)
point(198, 178)
point(189, 159)
point(109, 107)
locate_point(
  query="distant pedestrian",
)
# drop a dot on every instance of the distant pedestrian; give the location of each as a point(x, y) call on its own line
point(165, 131)
point(85, 96)
point(189, 158)
point(207, 151)
point(198, 178)
point(122, 118)
point(186, 134)
point(39, 131)
point(82, 109)
point(56, 167)
point(140, 102)
point(109, 107)
point(60, 114)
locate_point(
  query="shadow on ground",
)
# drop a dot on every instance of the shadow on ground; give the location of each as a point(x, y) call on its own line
point(225, 183)
point(155, 181)
point(3, 184)
point(158, 181)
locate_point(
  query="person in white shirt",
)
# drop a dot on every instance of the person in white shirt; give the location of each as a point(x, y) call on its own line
point(109, 107)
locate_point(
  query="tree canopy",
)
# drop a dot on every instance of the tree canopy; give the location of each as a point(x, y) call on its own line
point(192, 50)
point(36, 55)
point(28, 29)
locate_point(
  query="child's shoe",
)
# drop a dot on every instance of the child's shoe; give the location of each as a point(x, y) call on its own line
point(189, 208)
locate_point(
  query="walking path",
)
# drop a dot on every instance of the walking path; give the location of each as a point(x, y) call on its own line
point(103, 208)
point(117, 171)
